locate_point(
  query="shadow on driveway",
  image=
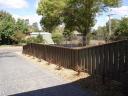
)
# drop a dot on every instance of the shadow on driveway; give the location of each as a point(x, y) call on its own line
point(70, 89)
point(92, 85)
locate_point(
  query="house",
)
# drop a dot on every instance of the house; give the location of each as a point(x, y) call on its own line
point(46, 36)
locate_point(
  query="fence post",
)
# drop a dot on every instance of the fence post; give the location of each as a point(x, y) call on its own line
point(103, 64)
point(77, 61)
point(104, 60)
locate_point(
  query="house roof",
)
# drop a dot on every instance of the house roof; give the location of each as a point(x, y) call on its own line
point(76, 32)
point(41, 33)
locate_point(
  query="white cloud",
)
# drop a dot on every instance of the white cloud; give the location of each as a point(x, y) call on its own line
point(13, 3)
point(32, 18)
point(121, 11)
point(117, 13)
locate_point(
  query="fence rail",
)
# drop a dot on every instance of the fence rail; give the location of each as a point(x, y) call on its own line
point(108, 60)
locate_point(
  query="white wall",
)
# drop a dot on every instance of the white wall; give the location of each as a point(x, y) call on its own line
point(46, 36)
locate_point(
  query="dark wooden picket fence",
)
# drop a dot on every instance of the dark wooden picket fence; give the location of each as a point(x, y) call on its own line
point(107, 60)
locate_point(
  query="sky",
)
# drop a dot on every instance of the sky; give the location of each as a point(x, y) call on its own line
point(26, 9)
point(116, 13)
point(23, 9)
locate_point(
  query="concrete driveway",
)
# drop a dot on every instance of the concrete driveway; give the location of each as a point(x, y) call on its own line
point(19, 77)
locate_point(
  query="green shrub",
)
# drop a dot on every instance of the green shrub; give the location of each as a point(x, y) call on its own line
point(30, 40)
point(57, 37)
point(38, 39)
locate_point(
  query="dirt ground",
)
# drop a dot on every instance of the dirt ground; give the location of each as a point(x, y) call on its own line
point(66, 74)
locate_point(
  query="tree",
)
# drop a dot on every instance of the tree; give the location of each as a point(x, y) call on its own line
point(27, 22)
point(102, 33)
point(35, 27)
point(80, 14)
point(114, 25)
point(18, 37)
point(121, 31)
point(12, 31)
point(38, 39)
point(21, 29)
point(75, 14)
point(7, 26)
point(57, 35)
point(51, 11)
point(21, 26)
point(68, 34)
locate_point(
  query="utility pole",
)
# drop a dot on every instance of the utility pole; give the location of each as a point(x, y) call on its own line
point(110, 30)
point(110, 25)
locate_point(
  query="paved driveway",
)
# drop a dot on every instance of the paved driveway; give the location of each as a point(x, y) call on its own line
point(19, 77)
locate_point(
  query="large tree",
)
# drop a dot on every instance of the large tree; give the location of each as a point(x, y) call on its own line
point(103, 32)
point(51, 10)
point(21, 25)
point(35, 27)
point(75, 14)
point(21, 29)
point(7, 26)
point(11, 30)
point(121, 31)
point(113, 26)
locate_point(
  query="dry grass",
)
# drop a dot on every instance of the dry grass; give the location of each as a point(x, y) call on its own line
point(65, 74)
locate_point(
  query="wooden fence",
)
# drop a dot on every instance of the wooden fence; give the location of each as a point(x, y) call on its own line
point(108, 60)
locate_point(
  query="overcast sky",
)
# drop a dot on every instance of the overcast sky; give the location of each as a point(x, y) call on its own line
point(26, 9)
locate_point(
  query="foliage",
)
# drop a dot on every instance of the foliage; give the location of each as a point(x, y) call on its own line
point(114, 25)
point(21, 29)
point(7, 25)
point(18, 37)
point(21, 26)
point(75, 14)
point(57, 35)
point(57, 38)
point(12, 31)
point(101, 33)
point(30, 40)
point(121, 31)
point(80, 14)
point(35, 27)
point(51, 11)
point(67, 34)
point(38, 39)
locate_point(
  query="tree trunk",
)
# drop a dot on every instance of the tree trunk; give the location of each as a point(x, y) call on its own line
point(3, 39)
point(84, 41)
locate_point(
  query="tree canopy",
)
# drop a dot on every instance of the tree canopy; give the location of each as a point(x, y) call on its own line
point(7, 26)
point(121, 31)
point(75, 14)
point(21, 26)
point(102, 33)
point(11, 30)
point(51, 11)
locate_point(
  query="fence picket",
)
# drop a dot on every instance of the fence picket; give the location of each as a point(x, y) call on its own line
point(108, 60)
